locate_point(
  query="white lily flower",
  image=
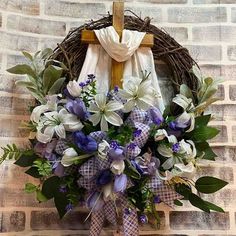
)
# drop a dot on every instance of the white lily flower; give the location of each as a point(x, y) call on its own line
point(184, 102)
point(187, 171)
point(105, 112)
point(137, 93)
point(117, 167)
point(73, 88)
point(51, 105)
point(103, 149)
point(57, 122)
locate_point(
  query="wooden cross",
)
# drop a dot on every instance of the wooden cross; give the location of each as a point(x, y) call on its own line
point(89, 37)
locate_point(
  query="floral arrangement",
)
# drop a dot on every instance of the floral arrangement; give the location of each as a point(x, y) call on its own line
point(89, 147)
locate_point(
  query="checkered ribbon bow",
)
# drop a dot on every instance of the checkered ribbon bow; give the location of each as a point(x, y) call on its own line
point(90, 169)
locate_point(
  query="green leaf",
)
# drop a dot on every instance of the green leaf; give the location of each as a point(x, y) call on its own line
point(56, 86)
point(209, 154)
point(196, 201)
point(178, 203)
point(202, 133)
point(27, 55)
point(46, 53)
point(33, 171)
point(208, 184)
point(183, 190)
point(10, 152)
point(50, 75)
point(213, 207)
point(26, 159)
point(131, 171)
point(30, 188)
point(61, 202)
point(202, 120)
point(44, 167)
point(51, 186)
point(22, 70)
point(40, 196)
point(186, 91)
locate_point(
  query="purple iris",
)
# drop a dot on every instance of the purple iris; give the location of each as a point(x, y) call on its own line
point(175, 147)
point(84, 142)
point(156, 116)
point(104, 177)
point(77, 107)
point(120, 183)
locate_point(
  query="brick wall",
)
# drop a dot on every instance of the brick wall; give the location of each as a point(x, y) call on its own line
point(206, 27)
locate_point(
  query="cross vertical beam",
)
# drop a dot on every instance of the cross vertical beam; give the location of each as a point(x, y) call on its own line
point(118, 23)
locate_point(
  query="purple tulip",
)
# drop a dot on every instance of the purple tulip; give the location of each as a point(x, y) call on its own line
point(67, 94)
point(77, 107)
point(104, 178)
point(120, 183)
point(59, 170)
point(85, 142)
point(95, 201)
point(156, 116)
point(116, 152)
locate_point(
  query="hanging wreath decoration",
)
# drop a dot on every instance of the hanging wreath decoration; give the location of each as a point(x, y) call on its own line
point(116, 152)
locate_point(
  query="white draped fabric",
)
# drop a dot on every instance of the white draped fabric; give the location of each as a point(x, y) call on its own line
point(136, 59)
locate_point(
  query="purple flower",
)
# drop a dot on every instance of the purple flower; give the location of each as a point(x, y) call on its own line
point(156, 116)
point(85, 142)
point(104, 178)
point(116, 89)
point(59, 170)
point(137, 133)
point(77, 107)
point(95, 201)
point(120, 183)
point(69, 207)
point(127, 211)
point(143, 219)
point(116, 154)
point(114, 144)
point(137, 166)
point(82, 84)
point(157, 199)
point(67, 94)
point(175, 147)
point(91, 77)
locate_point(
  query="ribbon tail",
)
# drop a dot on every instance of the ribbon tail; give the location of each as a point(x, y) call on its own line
point(130, 220)
point(96, 223)
point(110, 212)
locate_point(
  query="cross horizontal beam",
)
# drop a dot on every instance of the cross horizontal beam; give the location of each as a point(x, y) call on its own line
point(89, 37)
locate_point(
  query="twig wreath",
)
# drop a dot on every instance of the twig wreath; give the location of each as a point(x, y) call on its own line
point(116, 152)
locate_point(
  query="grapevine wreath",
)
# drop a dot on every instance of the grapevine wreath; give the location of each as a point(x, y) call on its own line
point(116, 153)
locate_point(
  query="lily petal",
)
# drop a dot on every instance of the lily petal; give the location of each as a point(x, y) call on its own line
point(113, 118)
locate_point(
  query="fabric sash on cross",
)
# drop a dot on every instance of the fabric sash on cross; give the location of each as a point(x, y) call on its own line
point(137, 59)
